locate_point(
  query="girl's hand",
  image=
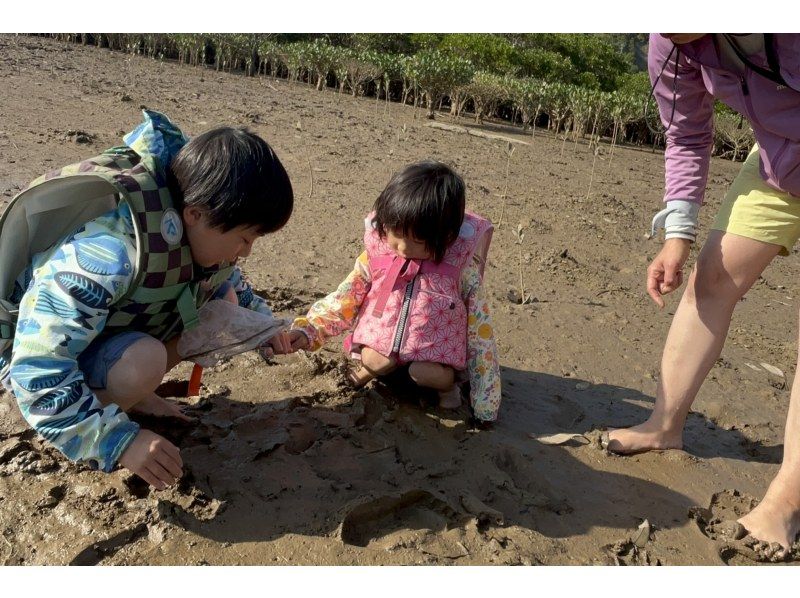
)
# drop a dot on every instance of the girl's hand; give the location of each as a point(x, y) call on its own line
point(284, 343)
point(277, 345)
point(298, 340)
point(665, 273)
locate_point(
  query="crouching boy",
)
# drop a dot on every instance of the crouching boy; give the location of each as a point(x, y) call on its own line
point(107, 261)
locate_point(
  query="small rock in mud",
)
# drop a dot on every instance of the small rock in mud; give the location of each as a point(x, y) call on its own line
point(482, 512)
point(731, 530)
point(79, 136)
point(514, 296)
point(157, 533)
point(54, 496)
point(642, 535)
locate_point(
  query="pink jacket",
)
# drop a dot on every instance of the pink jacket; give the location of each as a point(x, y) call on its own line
point(413, 310)
point(686, 106)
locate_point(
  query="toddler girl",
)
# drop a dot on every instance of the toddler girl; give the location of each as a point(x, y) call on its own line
point(415, 298)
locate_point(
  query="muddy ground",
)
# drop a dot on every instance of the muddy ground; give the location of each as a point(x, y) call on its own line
point(284, 466)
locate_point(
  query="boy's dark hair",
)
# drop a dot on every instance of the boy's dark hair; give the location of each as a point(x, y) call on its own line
point(236, 177)
point(426, 201)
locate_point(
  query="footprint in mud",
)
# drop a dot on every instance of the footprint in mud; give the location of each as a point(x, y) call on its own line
point(719, 523)
point(392, 521)
point(566, 413)
point(525, 484)
point(302, 435)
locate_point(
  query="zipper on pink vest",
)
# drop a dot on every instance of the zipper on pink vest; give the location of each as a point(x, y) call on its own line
point(403, 319)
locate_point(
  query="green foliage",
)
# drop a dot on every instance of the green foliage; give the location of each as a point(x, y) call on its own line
point(580, 82)
point(424, 41)
point(635, 83)
point(436, 72)
point(588, 53)
point(486, 51)
point(383, 43)
point(487, 90)
point(543, 64)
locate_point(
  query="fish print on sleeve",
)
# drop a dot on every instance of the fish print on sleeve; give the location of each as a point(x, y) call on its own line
point(63, 309)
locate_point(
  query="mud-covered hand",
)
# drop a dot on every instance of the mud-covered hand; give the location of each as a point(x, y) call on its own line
point(154, 459)
point(665, 273)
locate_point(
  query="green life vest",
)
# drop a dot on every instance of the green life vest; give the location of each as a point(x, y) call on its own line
point(167, 288)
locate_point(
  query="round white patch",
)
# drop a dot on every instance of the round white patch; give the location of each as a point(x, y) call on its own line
point(171, 227)
point(467, 230)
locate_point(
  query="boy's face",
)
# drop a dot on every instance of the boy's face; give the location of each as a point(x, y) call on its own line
point(406, 247)
point(210, 246)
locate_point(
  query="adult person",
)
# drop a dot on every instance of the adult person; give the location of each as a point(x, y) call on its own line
point(757, 75)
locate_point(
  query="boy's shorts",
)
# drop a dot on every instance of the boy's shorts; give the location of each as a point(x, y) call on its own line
point(101, 355)
point(755, 210)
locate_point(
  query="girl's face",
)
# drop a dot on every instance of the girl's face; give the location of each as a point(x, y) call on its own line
point(407, 247)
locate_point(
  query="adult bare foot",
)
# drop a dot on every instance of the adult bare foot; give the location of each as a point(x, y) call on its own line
point(160, 407)
point(642, 438)
point(777, 517)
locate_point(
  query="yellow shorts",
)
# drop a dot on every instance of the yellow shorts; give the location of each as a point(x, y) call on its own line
point(755, 210)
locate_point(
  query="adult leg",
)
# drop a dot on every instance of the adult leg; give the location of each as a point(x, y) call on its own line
point(727, 267)
point(777, 516)
point(439, 377)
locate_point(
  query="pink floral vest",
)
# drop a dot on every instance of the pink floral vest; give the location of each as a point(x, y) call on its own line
point(414, 310)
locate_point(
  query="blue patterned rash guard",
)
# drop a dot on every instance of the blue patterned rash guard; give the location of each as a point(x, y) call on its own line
point(65, 308)
point(64, 300)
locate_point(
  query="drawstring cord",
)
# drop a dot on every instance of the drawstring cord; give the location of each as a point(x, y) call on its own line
point(677, 53)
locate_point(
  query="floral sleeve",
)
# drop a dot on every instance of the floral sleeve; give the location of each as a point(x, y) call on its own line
point(337, 312)
point(482, 360)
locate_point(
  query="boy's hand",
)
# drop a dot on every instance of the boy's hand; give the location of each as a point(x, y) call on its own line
point(284, 342)
point(154, 459)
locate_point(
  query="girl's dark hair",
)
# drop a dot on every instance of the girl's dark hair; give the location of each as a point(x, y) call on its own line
point(236, 177)
point(426, 201)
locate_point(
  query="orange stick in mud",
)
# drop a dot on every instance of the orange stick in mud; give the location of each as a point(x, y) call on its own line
point(194, 381)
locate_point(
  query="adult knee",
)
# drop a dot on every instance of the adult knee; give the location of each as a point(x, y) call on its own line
point(711, 283)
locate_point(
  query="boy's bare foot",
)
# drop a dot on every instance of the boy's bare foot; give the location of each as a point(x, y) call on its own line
point(450, 399)
point(777, 517)
point(160, 407)
point(642, 438)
